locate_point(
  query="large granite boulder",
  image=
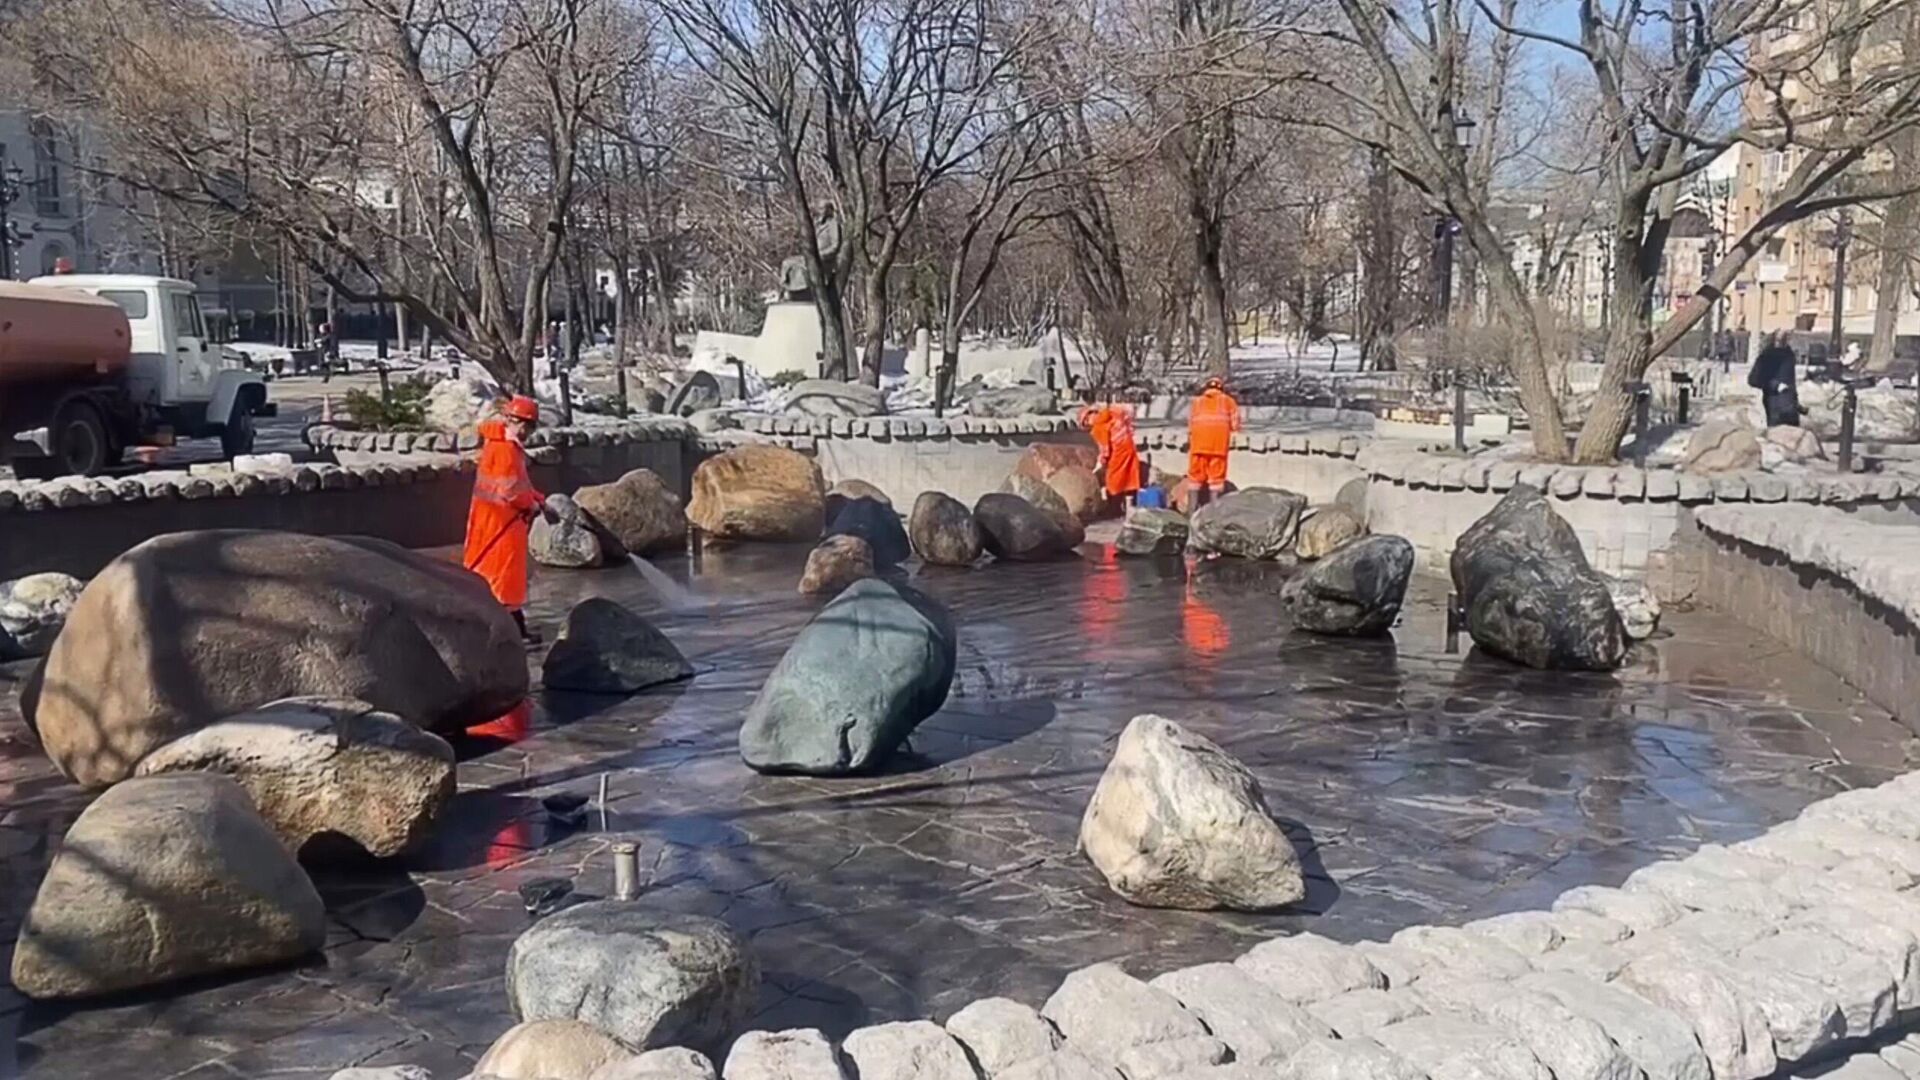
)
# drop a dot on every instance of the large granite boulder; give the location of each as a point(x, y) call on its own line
point(1038, 492)
point(32, 611)
point(163, 878)
point(1014, 401)
point(191, 628)
point(606, 648)
point(634, 515)
point(872, 665)
point(549, 1050)
point(834, 564)
point(1150, 531)
point(759, 493)
point(1722, 445)
point(943, 531)
point(1082, 492)
point(322, 769)
point(1639, 608)
point(1177, 823)
point(569, 541)
point(875, 522)
point(1255, 523)
point(648, 978)
point(1355, 591)
point(1325, 528)
point(830, 397)
point(1013, 528)
point(1529, 592)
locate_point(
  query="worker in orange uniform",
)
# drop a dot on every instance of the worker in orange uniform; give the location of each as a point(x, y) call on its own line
point(1214, 418)
point(1113, 438)
point(504, 506)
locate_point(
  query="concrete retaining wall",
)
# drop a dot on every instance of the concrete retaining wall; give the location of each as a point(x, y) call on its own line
point(77, 527)
point(1628, 519)
point(1838, 588)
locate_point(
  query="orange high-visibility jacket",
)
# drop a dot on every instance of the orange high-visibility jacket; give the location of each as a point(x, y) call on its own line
point(504, 502)
point(1112, 429)
point(1211, 424)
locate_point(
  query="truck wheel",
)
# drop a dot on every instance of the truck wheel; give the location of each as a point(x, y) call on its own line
point(78, 444)
point(237, 437)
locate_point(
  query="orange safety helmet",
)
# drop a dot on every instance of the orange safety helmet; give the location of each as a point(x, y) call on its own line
point(522, 407)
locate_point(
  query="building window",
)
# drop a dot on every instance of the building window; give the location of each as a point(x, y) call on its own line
point(51, 255)
point(1773, 301)
point(46, 169)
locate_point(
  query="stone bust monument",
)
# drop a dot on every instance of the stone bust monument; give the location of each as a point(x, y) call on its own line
point(795, 279)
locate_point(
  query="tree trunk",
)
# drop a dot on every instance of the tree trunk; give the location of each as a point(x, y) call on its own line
point(1890, 286)
point(835, 351)
point(1629, 348)
point(873, 336)
point(1212, 286)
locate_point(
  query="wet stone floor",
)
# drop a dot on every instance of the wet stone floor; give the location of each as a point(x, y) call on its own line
point(1422, 785)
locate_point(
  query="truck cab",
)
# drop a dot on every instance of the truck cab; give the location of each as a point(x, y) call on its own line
point(176, 383)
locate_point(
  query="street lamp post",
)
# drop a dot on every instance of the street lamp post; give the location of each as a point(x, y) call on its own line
point(1837, 336)
point(12, 186)
point(1454, 134)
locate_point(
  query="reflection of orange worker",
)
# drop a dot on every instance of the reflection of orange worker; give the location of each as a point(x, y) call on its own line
point(1210, 426)
point(504, 505)
point(1113, 437)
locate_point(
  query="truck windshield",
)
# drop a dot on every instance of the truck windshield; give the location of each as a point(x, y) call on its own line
point(131, 301)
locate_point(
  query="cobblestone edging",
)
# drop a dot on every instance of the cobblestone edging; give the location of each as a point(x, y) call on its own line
point(1734, 963)
point(1415, 468)
point(883, 428)
point(659, 429)
point(1878, 560)
point(1318, 443)
point(75, 491)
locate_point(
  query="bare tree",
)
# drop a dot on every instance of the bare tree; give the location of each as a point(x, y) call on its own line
point(867, 106)
point(1665, 80)
point(315, 121)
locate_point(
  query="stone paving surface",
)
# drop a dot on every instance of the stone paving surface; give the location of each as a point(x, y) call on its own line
point(1424, 787)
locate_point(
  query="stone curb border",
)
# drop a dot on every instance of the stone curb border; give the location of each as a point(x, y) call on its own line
point(1320, 443)
point(1733, 963)
point(882, 428)
point(71, 492)
point(1876, 559)
point(1417, 469)
point(663, 429)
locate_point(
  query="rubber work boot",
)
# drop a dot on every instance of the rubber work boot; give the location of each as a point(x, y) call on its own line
point(526, 635)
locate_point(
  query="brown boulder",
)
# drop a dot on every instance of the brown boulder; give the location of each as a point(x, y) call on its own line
point(638, 512)
point(1043, 460)
point(1180, 496)
point(837, 562)
point(190, 628)
point(759, 493)
point(1081, 490)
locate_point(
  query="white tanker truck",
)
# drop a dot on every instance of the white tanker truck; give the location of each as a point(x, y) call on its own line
point(92, 364)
